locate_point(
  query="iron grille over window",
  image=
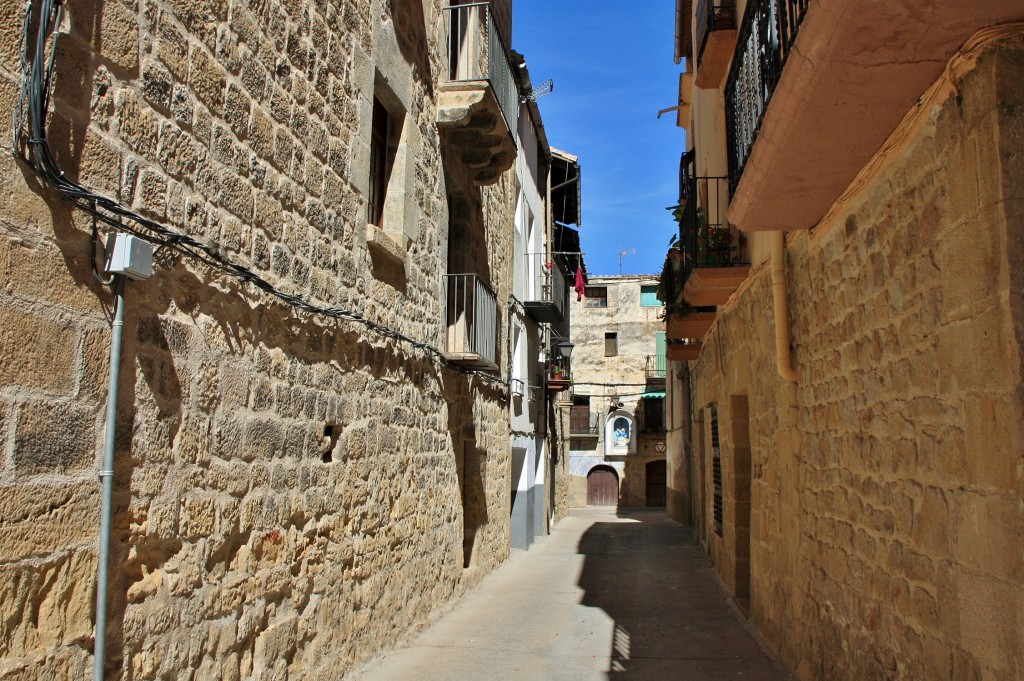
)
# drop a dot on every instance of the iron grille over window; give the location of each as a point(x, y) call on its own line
point(716, 469)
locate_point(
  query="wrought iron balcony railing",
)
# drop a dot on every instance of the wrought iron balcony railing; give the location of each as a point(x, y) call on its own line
point(655, 369)
point(713, 15)
point(766, 36)
point(476, 52)
point(558, 376)
point(471, 314)
point(707, 240)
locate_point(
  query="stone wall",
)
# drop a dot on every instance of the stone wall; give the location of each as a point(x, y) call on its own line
point(293, 494)
point(883, 491)
point(633, 485)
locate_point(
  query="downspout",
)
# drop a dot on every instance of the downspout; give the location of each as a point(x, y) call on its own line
point(106, 474)
point(783, 356)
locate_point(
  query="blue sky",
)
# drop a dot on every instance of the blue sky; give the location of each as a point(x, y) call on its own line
point(613, 70)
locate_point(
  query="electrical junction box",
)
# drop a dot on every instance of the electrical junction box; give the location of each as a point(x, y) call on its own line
point(129, 255)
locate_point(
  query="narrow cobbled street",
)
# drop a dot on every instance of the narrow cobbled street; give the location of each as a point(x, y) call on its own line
point(606, 596)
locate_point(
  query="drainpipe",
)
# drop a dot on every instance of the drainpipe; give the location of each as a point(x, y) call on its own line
point(783, 357)
point(107, 477)
point(127, 257)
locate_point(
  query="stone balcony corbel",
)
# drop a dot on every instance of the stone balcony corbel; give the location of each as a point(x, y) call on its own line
point(470, 116)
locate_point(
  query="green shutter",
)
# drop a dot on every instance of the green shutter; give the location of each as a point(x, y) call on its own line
point(659, 344)
point(649, 296)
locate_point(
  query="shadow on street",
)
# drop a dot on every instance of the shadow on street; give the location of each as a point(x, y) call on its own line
point(671, 618)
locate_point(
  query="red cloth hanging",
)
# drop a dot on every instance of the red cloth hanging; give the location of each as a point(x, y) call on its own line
point(579, 284)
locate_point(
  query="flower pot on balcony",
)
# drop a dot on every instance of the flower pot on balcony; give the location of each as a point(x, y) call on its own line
point(688, 325)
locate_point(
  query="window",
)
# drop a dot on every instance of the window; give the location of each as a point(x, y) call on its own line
point(649, 296)
point(518, 359)
point(392, 144)
point(597, 296)
point(611, 344)
point(716, 469)
point(654, 410)
point(382, 160)
point(579, 415)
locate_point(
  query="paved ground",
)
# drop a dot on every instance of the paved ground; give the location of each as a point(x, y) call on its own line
point(604, 597)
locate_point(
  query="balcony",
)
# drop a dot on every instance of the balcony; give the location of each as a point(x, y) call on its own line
point(689, 324)
point(654, 370)
point(716, 39)
point(546, 289)
point(478, 103)
point(683, 350)
point(707, 264)
point(471, 315)
point(816, 87)
point(559, 374)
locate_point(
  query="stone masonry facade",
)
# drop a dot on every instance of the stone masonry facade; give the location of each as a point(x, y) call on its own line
point(293, 494)
point(602, 379)
point(873, 511)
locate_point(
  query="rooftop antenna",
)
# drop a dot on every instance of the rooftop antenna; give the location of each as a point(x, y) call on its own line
point(624, 252)
point(542, 90)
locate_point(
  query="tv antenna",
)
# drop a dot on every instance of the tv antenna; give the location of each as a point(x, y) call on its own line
point(623, 253)
point(542, 90)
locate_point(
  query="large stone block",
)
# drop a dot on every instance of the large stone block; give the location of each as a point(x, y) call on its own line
point(39, 353)
point(37, 520)
point(992, 425)
point(55, 598)
point(990, 611)
point(54, 437)
point(985, 525)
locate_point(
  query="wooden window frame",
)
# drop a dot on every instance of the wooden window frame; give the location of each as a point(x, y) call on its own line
point(611, 344)
point(593, 297)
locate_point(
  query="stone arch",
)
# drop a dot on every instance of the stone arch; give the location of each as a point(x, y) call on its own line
point(602, 486)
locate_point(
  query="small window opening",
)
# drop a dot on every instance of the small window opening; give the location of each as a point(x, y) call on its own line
point(329, 442)
point(611, 344)
point(382, 160)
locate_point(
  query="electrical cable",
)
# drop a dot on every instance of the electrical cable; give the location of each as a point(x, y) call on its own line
point(34, 149)
point(92, 256)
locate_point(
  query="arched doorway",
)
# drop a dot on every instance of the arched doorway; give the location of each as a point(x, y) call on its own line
point(656, 478)
point(602, 486)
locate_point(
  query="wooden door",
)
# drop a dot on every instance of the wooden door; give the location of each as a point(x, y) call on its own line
point(602, 487)
point(656, 479)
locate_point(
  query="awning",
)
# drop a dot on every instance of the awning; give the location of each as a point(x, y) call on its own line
point(651, 393)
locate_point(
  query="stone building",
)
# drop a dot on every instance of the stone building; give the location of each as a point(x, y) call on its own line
point(312, 447)
point(846, 409)
point(617, 428)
